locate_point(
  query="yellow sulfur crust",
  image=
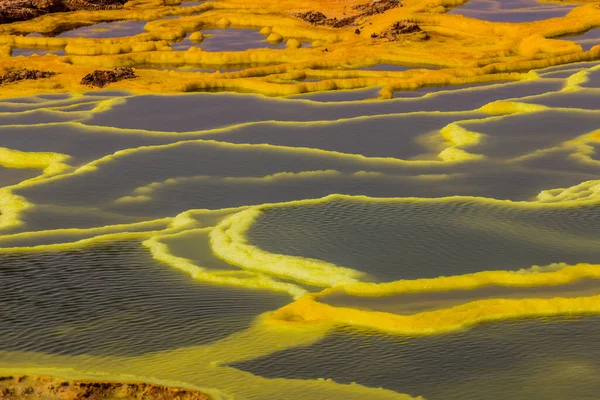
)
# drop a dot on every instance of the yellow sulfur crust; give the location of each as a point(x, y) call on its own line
point(467, 50)
point(309, 59)
point(308, 310)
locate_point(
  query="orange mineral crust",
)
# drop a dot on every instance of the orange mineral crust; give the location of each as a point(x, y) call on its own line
point(325, 45)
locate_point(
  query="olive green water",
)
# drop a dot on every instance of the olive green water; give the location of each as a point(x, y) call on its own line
point(526, 359)
point(82, 287)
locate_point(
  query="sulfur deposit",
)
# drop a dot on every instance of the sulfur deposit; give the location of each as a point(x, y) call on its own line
point(344, 37)
point(45, 387)
point(361, 199)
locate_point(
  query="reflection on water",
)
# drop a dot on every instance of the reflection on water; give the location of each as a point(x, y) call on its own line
point(342, 95)
point(384, 139)
point(231, 39)
point(519, 135)
point(582, 99)
point(387, 67)
point(206, 111)
point(191, 3)
point(578, 66)
point(512, 11)
point(586, 40)
point(593, 80)
point(107, 30)
point(16, 52)
point(10, 176)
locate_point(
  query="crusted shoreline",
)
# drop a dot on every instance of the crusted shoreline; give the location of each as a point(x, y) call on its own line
point(329, 46)
point(33, 387)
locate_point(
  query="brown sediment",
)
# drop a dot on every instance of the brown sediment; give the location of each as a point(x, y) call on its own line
point(319, 19)
point(30, 387)
point(23, 10)
point(373, 7)
point(399, 28)
point(24, 74)
point(341, 23)
point(377, 7)
point(100, 78)
point(92, 5)
point(312, 17)
point(19, 10)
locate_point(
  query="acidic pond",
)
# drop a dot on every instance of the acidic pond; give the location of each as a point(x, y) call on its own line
point(440, 241)
point(177, 222)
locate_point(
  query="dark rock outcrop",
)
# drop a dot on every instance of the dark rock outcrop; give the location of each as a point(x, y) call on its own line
point(24, 74)
point(93, 5)
point(399, 28)
point(341, 23)
point(101, 78)
point(23, 10)
point(319, 19)
point(371, 8)
point(312, 17)
point(377, 7)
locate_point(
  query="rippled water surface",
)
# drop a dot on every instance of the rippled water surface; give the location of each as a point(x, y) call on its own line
point(114, 299)
point(411, 303)
point(174, 236)
point(392, 240)
point(529, 359)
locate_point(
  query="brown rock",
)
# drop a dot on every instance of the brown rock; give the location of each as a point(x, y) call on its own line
point(398, 29)
point(319, 19)
point(11, 12)
point(92, 5)
point(101, 78)
point(371, 8)
point(377, 7)
point(312, 17)
point(341, 23)
point(23, 10)
point(48, 5)
point(24, 74)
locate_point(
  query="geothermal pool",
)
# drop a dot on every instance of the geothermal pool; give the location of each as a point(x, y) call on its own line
point(327, 231)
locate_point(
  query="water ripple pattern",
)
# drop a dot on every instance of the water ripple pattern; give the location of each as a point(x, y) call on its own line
point(443, 243)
